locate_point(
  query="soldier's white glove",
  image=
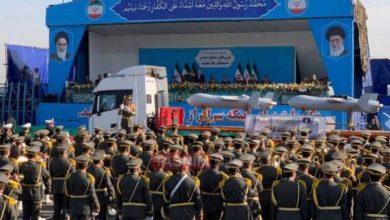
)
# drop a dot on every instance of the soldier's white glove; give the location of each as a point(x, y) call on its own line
point(149, 218)
point(122, 107)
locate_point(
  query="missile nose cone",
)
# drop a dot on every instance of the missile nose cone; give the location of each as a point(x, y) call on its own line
point(190, 100)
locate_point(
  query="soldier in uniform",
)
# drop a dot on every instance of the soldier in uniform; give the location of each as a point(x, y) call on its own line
point(161, 135)
point(34, 173)
point(134, 192)
point(4, 157)
point(147, 154)
point(157, 177)
point(103, 186)
point(82, 202)
point(227, 157)
point(270, 173)
point(127, 110)
point(97, 138)
point(63, 139)
point(6, 132)
point(140, 134)
point(256, 188)
point(119, 167)
point(135, 149)
point(13, 189)
point(289, 196)
point(238, 144)
point(210, 187)
point(60, 167)
point(234, 192)
point(83, 137)
point(373, 200)
point(6, 204)
point(309, 180)
point(205, 137)
point(227, 143)
point(215, 134)
point(50, 126)
point(25, 132)
point(57, 130)
point(199, 160)
point(181, 193)
point(330, 197)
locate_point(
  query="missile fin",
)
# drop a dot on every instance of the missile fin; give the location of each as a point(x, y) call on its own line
point(363, 102)
point(253, 101)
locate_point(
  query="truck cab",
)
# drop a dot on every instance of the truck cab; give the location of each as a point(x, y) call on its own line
point(148, 87)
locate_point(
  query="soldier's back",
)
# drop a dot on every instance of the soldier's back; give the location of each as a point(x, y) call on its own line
point(78, 190)
point(135, 196)
point(59, 168)
point(118, 164)
point(289, 200)
point(7, 210)
point(329, 200)
point(373, 202)
point(234, 193)
point(156, 181)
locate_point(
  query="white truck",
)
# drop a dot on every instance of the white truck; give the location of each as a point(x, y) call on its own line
point(148, 87)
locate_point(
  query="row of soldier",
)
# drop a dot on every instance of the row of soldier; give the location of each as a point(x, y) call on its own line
point(148, 175)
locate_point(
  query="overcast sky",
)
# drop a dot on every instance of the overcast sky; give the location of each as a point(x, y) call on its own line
point(22, 22)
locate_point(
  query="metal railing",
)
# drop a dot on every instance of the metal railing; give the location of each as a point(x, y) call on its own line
point(18, 101)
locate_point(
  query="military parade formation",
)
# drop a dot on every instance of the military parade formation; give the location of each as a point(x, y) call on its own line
point(162, 175)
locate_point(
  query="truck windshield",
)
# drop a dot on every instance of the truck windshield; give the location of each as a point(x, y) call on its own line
point(109, 100)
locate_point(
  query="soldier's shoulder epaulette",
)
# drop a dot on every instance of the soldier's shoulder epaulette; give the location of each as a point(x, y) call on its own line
point(387, 187)
point(359, 176)
point(279, 170)
point(107, 171)
point(256, 169)
point(361, 187)
point(275, 183)
point(248, 182)
point(91, 178)
point(145, 179)
point(347, 182)
point(168, 174)
point(343, 186)
point(199, 173)
point(224, 175)
point(302, 183)
point(72, 162)
point(348, 170)
point(11, 201)
point(315, 184)
point(14, 184)
point(313, 178)
point(258, 176)
point(71, 149)
point(42, 164)
point(197, 181)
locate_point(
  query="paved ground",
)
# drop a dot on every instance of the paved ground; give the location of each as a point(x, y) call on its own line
point(47, 212)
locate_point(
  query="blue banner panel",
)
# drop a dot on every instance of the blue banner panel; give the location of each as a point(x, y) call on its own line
point(384, 118)
point(146, 10)
point(85, 12)
point(380, 73)
point(68, 115)
point(64, 44)
point(27, 64)
point(334, 38)
point(224, 65)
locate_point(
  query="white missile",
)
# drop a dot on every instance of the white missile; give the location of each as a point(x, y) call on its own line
point(241, 102)
point(367, 103)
